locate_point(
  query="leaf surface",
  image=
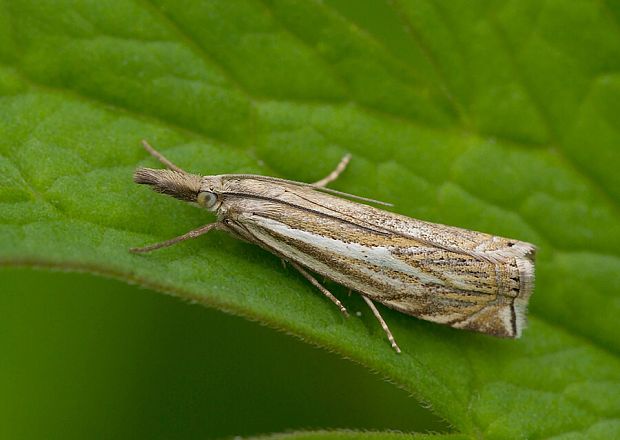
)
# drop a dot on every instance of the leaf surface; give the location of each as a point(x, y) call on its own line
point(346, 434)
point(495, 116)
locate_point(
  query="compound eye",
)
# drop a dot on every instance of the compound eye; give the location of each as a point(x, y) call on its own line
point(206, 199)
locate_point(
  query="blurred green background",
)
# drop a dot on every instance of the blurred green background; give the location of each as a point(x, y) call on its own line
point(87, 357)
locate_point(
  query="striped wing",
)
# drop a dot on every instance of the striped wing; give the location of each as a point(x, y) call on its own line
point(464, 279)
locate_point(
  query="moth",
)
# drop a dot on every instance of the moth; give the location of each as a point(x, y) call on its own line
point(448, 275)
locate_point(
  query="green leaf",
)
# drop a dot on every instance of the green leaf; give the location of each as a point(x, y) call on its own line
point(364, 435)
point(495, 116)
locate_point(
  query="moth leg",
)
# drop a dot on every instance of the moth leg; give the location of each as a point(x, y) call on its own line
point(337, 171)
point(160, 157)
point(191, 234)
point(384, 326)
point(319, 286)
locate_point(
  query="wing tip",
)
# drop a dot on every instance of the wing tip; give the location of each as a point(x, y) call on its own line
point(508, 319)
point(525, 264)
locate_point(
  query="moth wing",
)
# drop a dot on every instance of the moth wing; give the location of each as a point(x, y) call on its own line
point(444, 274)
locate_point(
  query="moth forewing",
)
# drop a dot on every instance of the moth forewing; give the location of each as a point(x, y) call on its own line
point(465, 279)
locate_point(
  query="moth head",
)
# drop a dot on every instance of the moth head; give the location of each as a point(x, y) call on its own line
point(183, 186)
point(209, 195)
